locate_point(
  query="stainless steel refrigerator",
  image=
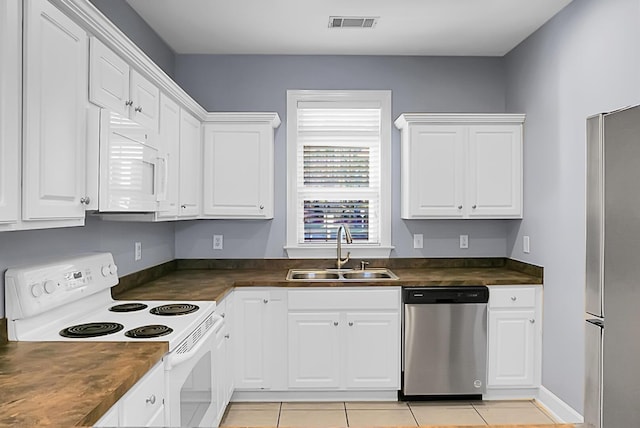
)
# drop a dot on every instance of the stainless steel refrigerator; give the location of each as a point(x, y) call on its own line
point(612, 327)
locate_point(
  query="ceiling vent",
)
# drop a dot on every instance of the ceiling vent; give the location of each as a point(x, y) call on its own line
point(353, 21)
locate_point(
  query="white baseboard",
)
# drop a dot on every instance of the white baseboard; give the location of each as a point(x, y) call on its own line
point(557, 408)
point(315, 396)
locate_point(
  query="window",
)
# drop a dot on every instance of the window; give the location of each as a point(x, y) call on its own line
point(338, 166)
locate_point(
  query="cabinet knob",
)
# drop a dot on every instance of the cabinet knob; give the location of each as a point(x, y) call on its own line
point(183, 206)
point(151, 400)
point(222, 315)
point(226, 336)
point(532, 321)
point(86, 200)
point(266, 300)
point(350, 323)
point(459, 207)
point(335, 323)
point(514, 298)
point(128, 103)
point(474, 206)
point(261, 207)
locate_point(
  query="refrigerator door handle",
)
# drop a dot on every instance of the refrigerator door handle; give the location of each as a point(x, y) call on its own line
point(596, 322)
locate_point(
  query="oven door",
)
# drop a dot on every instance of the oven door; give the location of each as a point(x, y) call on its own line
point(191, 385)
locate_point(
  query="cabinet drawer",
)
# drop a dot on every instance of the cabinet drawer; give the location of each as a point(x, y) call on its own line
point(344, 299)
point(512, 297)
point(145, 399)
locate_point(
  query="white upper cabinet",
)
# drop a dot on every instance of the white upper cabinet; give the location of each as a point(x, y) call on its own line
point(239, 166)
point(190, 165)
point(116, 86)
point(55, 99)
point(10, 66)
point(461, 166)
point(170, 156)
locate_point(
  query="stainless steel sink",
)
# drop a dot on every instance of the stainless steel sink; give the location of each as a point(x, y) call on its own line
point(340, 275)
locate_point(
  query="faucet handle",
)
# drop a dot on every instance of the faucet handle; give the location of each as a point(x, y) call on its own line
point(363, 264)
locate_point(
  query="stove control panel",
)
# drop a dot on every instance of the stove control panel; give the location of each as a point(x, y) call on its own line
point(33, 290)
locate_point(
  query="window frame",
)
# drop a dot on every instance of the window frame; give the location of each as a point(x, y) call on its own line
point(328, 250)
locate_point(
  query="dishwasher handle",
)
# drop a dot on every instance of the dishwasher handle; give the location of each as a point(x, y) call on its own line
point(449, 295)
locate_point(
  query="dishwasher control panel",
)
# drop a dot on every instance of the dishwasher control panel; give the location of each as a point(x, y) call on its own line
point(459, 294)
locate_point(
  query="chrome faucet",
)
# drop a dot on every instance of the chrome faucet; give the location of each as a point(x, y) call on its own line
point(347, 237)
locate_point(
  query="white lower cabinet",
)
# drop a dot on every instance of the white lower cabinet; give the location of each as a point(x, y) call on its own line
point(515, 336)
point(259, 332)
point(142, 405)
point(344, 339)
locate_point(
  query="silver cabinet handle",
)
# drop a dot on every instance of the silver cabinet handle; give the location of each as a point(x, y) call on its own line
point(151, 400)
point(459, 207)
point(261, 207)
point(138, 109)
point(86, 200)
point(350, 323)
point(514, 298)
point(183, 206)
point(335, 323)
point(128, 103)
point(223, 315)
point(532, 321)
point(266, 300)
point(474, 206)
point(227, 336)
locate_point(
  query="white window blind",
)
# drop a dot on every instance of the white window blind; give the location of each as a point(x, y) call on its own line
point(338, 170)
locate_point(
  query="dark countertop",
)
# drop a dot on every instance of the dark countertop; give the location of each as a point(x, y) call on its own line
point(69, 383)
point(213, 284)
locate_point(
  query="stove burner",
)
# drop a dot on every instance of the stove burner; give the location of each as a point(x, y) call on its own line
point(174, 309)
point(128, 307)
point(93, 329)
point(148, 331)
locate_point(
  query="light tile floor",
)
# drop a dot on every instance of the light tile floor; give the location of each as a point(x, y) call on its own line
point(381, 414)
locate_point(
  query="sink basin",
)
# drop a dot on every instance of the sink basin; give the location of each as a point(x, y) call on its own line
point(340, 275)
point(312, 275)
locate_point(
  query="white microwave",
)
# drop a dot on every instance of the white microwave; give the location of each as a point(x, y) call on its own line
point(131, 170)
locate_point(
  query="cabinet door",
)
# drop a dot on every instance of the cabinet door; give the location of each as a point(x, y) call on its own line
point(494, 182)
point(220, 372)
point(55, 98)
point(190, 165)
point(10, 85)
point(433, 181)
point(373, 350)
point(170, 157)
point(314, 350)
point(230, 355)
point(146, 101)
point(511, 348)
point(108, 78)
point(238, 172)
point(251, 344)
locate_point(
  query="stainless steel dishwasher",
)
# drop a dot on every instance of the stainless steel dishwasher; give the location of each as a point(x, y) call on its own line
point(444, 348)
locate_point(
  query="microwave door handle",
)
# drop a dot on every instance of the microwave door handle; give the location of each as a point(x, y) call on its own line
point(163, 179)
point(174, 359)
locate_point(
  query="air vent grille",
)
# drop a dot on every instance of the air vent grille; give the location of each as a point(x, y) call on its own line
point(353, 21)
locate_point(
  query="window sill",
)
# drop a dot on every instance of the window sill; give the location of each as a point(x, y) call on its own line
point(329, 251)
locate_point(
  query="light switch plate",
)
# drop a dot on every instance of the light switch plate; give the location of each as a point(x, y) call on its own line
point(464, 241)
point(526, 244)
point(418, 240)
point(138, 251)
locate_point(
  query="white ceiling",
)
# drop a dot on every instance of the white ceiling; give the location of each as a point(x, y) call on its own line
point(405, 27)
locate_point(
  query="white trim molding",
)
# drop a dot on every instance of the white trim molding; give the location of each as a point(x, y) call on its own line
point(465, 118)
point(558, 408)
point(244, 117)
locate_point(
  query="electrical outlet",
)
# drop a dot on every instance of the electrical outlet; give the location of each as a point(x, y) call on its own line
point(417, 240)
point(217, 242)
point(464, 241)
point(525, 244)
point(138, 251)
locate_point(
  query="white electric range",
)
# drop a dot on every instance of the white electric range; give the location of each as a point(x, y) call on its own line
point(70, 300)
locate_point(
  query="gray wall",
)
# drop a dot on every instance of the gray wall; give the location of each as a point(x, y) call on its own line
point(418, 84)
point(586, 60)
point(27, 247)
point(130, 23)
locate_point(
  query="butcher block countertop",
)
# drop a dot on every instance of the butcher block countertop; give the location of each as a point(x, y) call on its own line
point(66, 384)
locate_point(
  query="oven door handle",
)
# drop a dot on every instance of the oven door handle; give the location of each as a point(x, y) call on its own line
point(174, 359)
